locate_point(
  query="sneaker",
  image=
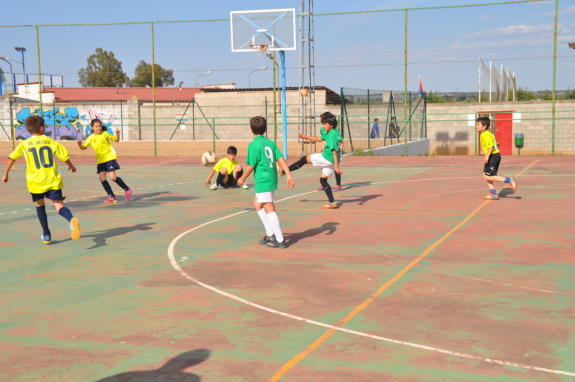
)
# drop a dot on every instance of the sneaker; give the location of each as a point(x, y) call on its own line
point(245, 186)
point(129, 193)
point(337, 188)
point(75, 229)
point(491, 197)
point(111, 200)
point(46, 239)
point(266, 239)
point(513, 184)
point(321, 188)
point(214, 186)
point(275, 244)
point(329, 205)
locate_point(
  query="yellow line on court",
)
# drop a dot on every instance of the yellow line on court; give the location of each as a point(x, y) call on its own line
point(328, 333)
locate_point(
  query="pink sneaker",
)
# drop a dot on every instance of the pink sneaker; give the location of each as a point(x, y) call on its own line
point(110, 200)
point(129, 193)
point(337, 188)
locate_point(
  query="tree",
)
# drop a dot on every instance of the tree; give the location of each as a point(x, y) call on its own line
point(434, 98)
point(525, 95)
point(143, 75)
point(102, 70)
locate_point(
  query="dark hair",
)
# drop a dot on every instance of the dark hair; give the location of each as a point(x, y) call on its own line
point(34, 124)
point(232, 150)
point(485, 121)
point(376, 120)
point(259, 125)
point(329, 118)
point(95, 120)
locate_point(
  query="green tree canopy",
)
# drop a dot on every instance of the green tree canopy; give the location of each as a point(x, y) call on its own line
point(525, 95)
point(102, 70)
point(143, 75)
point(434, 98)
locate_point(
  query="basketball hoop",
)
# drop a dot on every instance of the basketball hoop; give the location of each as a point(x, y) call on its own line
point(260, 49)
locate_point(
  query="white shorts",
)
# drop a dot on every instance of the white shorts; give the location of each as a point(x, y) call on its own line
point(265, 197)
point(327, 168)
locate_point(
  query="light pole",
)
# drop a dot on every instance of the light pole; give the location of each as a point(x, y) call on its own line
point(21, 49)
point(11, 72)
point(272, 56)
point(201, 75)
point(253, 71)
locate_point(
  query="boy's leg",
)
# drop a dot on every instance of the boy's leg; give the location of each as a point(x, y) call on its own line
point(274, 221)
point(264, 218)
point(67, 214)
point(300, 163)
point(338, 182)
point(120, 182)
point(43, 218)
point(222, 178)
point(327, 189)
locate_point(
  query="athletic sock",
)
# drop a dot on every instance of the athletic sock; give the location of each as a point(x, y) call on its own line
point(274, 222)
point(66, 213)
point(264, 218)
point(338, 179)
point(301, 162)
point(41, 212)
point(507, 180)
point(108, 189)
point(121, 183)
point(327, 189)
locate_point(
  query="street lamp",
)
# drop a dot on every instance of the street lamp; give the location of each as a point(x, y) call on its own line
point(201, 75)
point(21, 49)
point(253, 71)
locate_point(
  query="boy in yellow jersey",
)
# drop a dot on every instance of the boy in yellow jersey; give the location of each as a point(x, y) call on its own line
point(42, 177)
point(228, 170)
point(491, 158)
point(106, 159)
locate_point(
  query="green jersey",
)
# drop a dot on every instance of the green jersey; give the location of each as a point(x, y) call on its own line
point(262, 156)
point(332, 140)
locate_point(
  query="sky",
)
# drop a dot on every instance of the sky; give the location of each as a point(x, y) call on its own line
point(355, 51)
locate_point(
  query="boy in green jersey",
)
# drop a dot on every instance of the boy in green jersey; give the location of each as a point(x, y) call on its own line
point(263, 159)
point(328, 159)
point(491, 159)
point(42, 177)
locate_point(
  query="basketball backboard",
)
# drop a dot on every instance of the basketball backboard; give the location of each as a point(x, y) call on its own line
point(269, 29)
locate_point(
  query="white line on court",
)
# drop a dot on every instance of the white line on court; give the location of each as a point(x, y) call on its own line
point(183, 273)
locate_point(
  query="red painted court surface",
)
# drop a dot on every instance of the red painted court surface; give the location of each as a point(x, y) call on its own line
point(414, 278)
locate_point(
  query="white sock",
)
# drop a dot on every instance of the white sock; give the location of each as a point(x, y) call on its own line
point(274, 222)
point(264, 218)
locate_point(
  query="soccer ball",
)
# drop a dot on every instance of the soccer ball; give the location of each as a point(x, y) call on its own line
point(208, 158)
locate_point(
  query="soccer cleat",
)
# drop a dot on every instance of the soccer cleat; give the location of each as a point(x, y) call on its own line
point(513, 184)
point(337, 188)
point(46, 239)
point(245, 186)
point(330, 206)
point(111, 200)
point(129, 193)
point(491, 197)
point(266, 239)
point(75, 229)
point(275, 244)
point(214, 186)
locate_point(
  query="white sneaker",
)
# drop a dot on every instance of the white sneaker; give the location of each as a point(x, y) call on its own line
point(245, 186)
point(214, 186)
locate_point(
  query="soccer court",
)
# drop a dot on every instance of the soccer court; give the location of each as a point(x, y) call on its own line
point(414, 278)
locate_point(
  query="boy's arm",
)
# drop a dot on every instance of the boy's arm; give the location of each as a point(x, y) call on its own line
point(71, 166)
point(311, 139)
point(245, 175)
point(487, 154)
point(336, 162)
point(209, 179)
point(283, 165)
point(117, 135)
point(7, 169)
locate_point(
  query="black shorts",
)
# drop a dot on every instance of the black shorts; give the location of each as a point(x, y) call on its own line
point(51, 194)
point(232, 182)
point(108, 166)
point(492, 165)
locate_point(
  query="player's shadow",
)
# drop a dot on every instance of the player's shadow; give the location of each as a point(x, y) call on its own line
point(506, 192)
point(361, 200)
point(162, 196)
point(326, 228)
point(99, 237)
point(173, 370)
point(357, 185)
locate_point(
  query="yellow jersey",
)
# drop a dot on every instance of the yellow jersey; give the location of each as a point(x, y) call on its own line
point(41, 170)
point(487, 140)
point(226, 163)
point(102, 146)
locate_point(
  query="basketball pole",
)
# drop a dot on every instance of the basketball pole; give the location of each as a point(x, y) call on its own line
point(284, 102)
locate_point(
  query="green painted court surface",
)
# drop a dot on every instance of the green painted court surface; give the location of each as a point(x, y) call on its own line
point(431, 282)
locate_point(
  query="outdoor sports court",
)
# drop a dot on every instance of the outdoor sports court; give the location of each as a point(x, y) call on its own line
point(414, 278)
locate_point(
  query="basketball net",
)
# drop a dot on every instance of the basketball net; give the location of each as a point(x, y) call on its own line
point(260, 49)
